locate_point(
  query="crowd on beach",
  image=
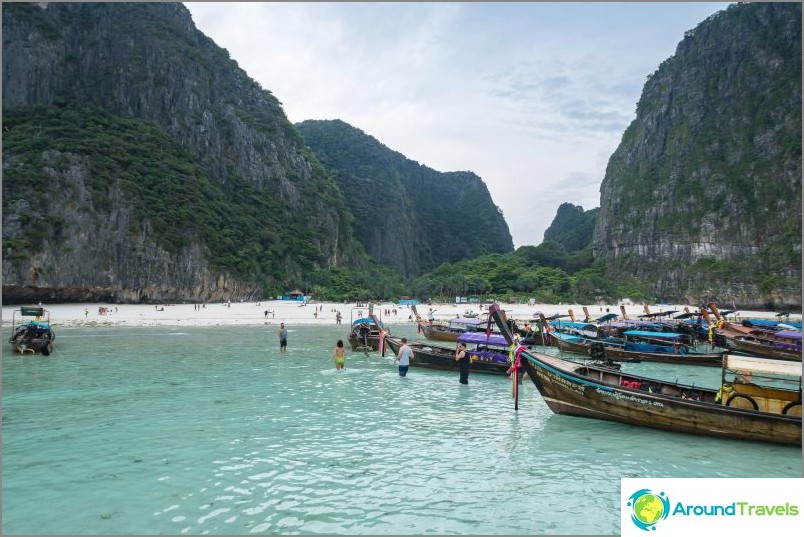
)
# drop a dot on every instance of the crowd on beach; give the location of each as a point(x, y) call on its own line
point(290, 312)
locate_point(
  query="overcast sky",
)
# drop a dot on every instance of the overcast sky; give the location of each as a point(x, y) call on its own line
point(532, 97)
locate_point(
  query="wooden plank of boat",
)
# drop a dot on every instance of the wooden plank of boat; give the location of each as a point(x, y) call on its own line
point(593, 392)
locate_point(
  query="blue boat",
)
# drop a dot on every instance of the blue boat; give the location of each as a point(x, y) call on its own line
point(32, 336)
point(666, 347)
point(364, 334)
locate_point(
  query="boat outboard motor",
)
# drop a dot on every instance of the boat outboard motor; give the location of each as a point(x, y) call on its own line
point(597, 351)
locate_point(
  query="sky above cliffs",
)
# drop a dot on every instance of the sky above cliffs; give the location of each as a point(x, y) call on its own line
point(533, 97)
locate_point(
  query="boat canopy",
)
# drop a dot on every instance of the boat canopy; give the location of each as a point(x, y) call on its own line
point(569, 324)
point(792, 334)
point(760, 323)
point(607, 317)
point(365, 320)
point(658, 335)
point(563, 336)
point(466, 321)
point(480, 338)
point(762, 365)
point(29, 311)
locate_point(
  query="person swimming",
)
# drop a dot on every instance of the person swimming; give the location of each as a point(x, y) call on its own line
point(339, 354)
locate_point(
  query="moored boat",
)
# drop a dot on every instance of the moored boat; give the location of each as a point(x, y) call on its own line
point(662, 347)
point(33, 335)
point(781, 345)
point(364, 334)
point(447, 331)
point(488, 354)
point(738, 410)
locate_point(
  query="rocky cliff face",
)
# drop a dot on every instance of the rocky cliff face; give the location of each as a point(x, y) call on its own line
point(409, 217)
point(703, 196)
point(572, 227)
point(146, 73)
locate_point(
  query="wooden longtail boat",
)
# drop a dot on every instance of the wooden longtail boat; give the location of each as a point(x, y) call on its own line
point(738, 410)
point(34, 335)
point(662, 347)
point(781, 345)
point(635, 351)
point(487, 356)
point(364, 335)
point(448, 331)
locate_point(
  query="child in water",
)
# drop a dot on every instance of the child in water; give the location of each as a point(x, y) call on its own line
point(339, 354)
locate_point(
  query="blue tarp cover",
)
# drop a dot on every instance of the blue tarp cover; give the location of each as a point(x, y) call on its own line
point(364, 320)
point(645, 333)
point(481, 338)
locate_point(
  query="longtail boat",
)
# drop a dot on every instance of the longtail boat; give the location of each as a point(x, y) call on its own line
point(738, 410)
point(781, 345)
point(447, 331)
point(34, 335)
point(488, 354)
point(364, 334)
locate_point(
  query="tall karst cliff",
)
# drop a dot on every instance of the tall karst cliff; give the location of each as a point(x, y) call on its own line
point(408, 216)
point(141, 163)
point(572, 227)
point(702, 198)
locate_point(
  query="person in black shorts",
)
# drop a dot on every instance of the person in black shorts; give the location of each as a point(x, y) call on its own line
point(283, 338)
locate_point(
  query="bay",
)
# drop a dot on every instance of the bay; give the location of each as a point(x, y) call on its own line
point(211, 430)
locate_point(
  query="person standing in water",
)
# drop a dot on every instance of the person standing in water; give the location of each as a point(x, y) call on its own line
point(403, 357)
point(283, 338)
point(339, 355)
point(462, 357)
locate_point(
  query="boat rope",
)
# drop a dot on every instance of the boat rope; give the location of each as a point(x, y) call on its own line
point(381, 344)
point(515, 358)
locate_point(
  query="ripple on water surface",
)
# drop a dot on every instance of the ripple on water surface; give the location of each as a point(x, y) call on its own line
point(213, 431)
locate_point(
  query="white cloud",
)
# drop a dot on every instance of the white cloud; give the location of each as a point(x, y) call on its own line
point(533, 97)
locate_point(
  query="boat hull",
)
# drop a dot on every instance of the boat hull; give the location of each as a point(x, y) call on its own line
point(567, 392)
point(438, 334)
point(618, 354)
point(39, 344)
point(443, 358)
point(754, 348)
point(714, 359)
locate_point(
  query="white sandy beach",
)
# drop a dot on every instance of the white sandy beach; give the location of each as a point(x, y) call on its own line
point(292, 313)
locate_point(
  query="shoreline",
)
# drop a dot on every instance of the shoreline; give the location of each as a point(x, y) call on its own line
point(296, 313)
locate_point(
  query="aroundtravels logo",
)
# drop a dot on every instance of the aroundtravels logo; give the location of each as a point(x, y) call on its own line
point(707, 506)
point(648, 508)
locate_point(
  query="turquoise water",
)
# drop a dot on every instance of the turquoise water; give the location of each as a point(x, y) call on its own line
point(211, 430)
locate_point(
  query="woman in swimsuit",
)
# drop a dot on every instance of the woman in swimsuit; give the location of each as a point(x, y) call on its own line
point(339, 354)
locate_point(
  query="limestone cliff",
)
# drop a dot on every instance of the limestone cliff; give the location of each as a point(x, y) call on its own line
point(408, 216)
point(702, 198)
point(141, 163)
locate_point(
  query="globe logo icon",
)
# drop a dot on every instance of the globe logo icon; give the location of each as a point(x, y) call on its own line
point(648, 508)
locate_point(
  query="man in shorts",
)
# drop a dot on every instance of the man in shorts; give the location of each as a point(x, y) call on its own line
point(403, 357)
point(283, 338)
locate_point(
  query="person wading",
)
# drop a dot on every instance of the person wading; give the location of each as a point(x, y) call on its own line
point(462, 357)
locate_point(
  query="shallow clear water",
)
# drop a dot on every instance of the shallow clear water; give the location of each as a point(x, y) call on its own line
point(211, 430)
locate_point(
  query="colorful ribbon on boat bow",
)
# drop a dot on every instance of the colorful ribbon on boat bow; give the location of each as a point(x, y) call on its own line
point(381, 344)
point(515, 357)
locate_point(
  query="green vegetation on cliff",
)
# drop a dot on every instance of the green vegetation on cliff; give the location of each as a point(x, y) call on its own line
point(161, 185)
point(407, 216)
point(702, 198)
point(572, 227)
